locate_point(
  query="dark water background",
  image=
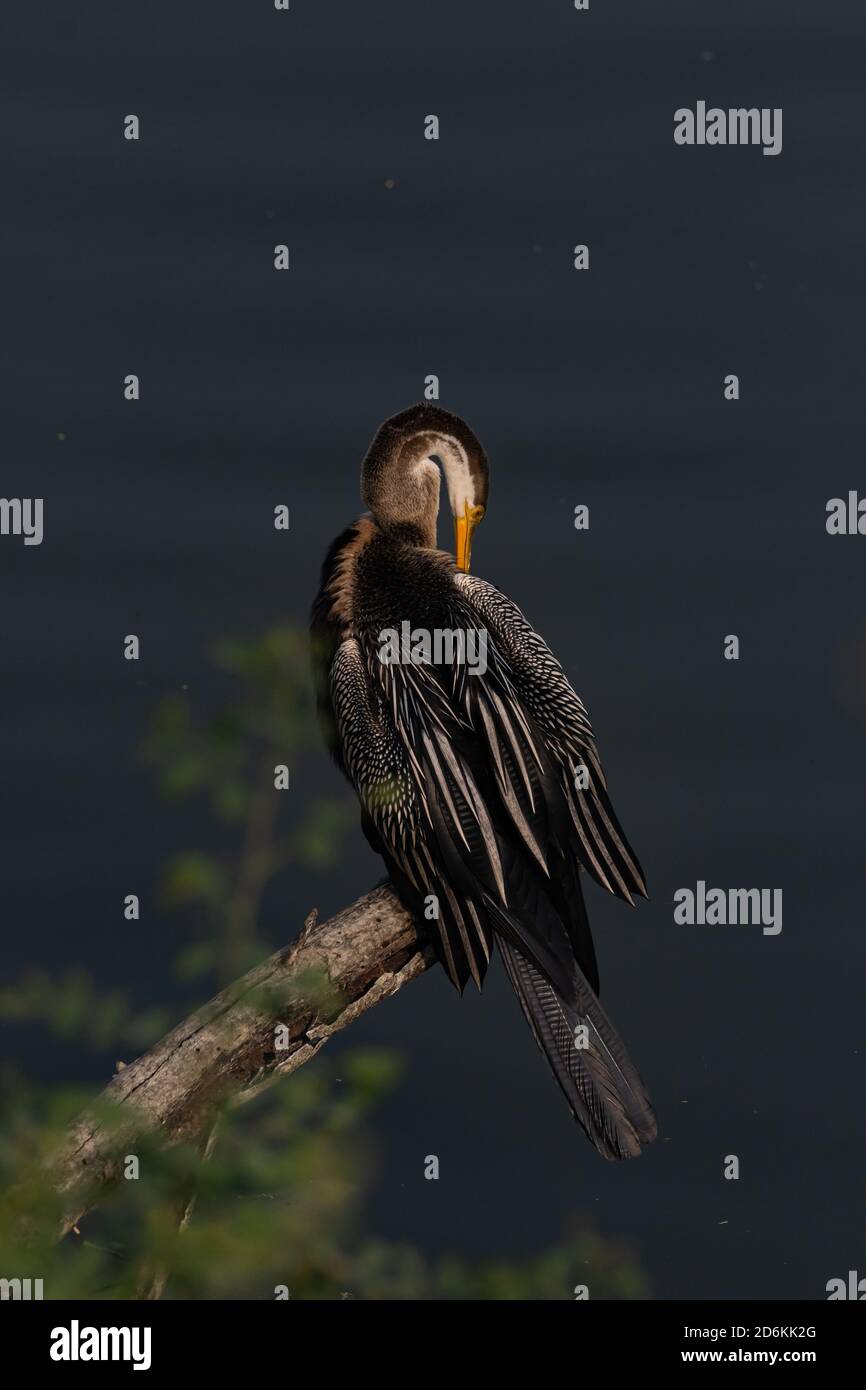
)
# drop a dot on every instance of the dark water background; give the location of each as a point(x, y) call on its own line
point(707, 518)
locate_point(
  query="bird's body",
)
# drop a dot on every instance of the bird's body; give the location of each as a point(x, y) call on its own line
point(480, 785)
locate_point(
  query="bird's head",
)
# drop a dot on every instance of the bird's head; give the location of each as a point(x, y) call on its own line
point(400, 475)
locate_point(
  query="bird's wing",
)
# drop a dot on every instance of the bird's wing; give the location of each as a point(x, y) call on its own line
point(396, 734)
point(526, 679)
point(457, 786)
point(433, 810)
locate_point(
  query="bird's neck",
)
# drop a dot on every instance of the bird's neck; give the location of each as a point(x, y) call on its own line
point(420, 536)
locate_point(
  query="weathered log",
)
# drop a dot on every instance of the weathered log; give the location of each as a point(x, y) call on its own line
point(259, 1029)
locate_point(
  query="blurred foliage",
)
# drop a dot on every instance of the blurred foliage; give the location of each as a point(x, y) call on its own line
point(278, 1212)
point(72, 1007)
point(276, 1207)
point(231, 758)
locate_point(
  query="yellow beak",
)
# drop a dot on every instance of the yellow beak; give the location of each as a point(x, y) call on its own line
point(463, 527)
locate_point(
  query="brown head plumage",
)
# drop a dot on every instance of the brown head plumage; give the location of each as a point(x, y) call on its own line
point(400, 477)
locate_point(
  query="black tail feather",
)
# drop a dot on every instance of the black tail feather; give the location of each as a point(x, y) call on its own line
point(592, 1067)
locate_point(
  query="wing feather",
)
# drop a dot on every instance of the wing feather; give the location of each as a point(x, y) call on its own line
point(526, 682)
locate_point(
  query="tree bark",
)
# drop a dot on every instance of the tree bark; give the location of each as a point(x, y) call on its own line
point(264, 1026)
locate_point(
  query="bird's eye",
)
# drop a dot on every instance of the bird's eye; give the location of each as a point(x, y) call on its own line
point(475, 514)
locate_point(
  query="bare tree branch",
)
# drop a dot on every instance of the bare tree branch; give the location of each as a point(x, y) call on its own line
point(226, 1052)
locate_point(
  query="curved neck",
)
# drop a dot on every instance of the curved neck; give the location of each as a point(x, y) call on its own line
point(400, 484)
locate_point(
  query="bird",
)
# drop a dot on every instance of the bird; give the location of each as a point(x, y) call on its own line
point(482, 790)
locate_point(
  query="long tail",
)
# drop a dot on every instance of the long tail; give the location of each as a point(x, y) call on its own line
point(587, 1057)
